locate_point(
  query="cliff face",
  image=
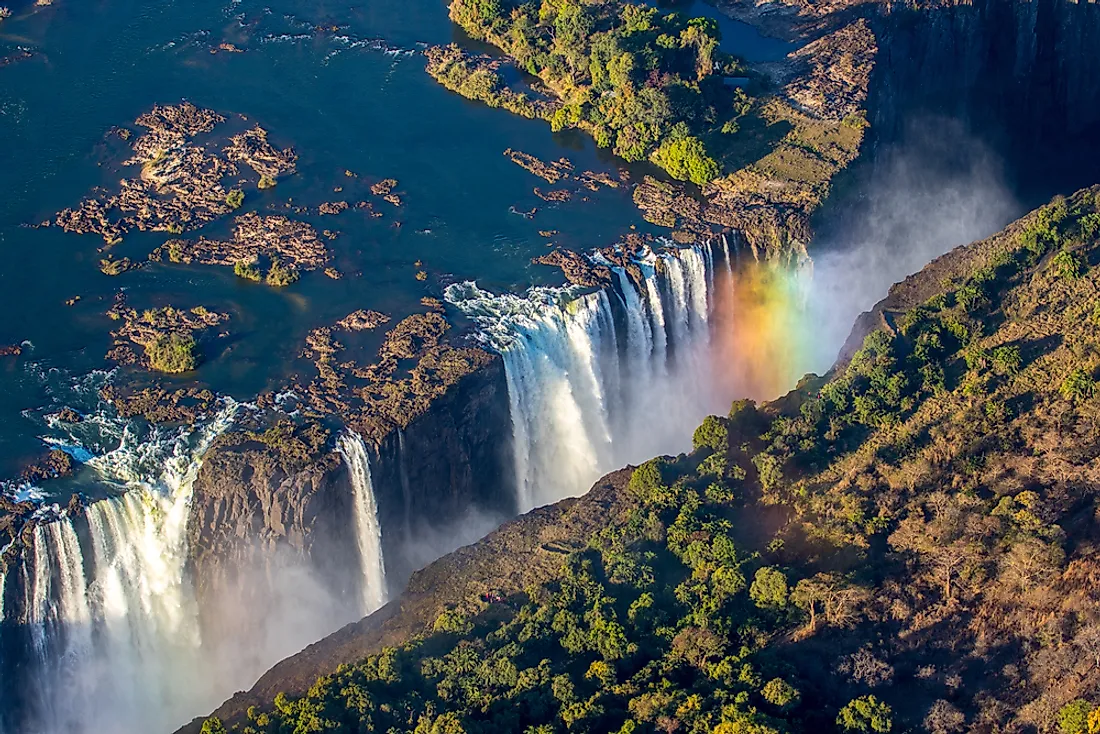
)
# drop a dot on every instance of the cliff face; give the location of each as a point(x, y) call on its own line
point(252, 516)
point(448, 463)
point(267, 517)
point(1024, 74)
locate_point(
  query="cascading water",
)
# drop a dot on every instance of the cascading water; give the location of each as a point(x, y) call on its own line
point(112, 622)
point(602, 379)
point(367, 529)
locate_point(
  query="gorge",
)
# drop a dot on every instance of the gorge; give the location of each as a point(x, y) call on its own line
point(226, 548)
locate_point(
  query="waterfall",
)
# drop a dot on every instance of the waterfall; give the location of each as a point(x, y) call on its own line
point(367, 529)
point(113, 624)
point(601, 379)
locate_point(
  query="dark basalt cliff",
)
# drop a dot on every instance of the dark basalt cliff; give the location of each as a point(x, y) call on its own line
point(269, 506)
point(522, 552)
point(453, 460)
point(251, 514)
point(1026, 69)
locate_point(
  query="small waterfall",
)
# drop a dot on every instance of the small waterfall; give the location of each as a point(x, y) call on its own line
point(601, 379)
point(368, 531)
point(406, 490)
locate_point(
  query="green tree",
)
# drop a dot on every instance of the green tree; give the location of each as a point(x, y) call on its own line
point(280, 275)
point(213, 725)
point(780, 693)
point(712, 433)
point(247, 269)
point(173, 353)
point(769, 588)
point(866, 713)
point(687, 160)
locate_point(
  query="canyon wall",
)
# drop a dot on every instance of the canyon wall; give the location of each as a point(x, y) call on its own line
point(1026, 74)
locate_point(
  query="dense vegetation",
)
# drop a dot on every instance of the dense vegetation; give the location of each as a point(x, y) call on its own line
point(174, 352)
point(648, 85)
point(909, 544)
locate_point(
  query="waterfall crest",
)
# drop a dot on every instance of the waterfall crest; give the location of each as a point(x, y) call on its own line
point(367, 529)
point(601, 379)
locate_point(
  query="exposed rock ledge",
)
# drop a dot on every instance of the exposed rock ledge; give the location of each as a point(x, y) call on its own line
point(525, 551)
point(260, 499)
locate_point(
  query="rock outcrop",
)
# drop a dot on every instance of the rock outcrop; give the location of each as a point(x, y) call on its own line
point(258, 509)
point(451, 462)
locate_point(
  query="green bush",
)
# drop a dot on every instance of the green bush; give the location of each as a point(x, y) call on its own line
point(1073, 718)
point(1006, 360)
point(866, 713)
point(1068, 265)
point(452, 621)
point(1077, 386)
point(234, 199)
point(173, 353)
point(280, 275)
point(687, 160)
point(247, 269)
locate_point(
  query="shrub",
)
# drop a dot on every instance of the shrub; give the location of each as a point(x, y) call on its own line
point(266, 182)
point(1068, 265)
point(452, 621)
point(173, 353)
point(866, 713)
point(770, 470)
point(1006, 360)
point(280, 275)
point(1073, 718)
point(944, 718)
point(234, 199)
point(1078, 385)
point(248, 270)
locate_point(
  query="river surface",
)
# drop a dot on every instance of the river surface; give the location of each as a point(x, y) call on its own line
point(356, 98)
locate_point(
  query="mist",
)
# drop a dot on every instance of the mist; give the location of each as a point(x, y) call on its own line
point(267, 608)
point(425, 543)
point(937, 188)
